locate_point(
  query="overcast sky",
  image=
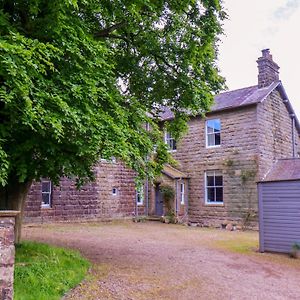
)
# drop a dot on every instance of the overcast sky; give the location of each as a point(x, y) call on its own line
point(253, 26)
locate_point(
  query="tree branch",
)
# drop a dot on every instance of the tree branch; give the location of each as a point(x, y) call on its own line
point(106, 32)
point(159, 57)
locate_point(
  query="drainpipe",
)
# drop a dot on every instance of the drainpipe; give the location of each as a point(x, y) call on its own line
point(147, 181)
point(136, 206)
point(147, 196)
point(293, 135)
point(187, 197)
point(176, 200)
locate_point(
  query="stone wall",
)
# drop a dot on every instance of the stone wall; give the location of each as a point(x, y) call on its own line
point(93, 201)
point(275, 132)
point(7, 254)
point(236, 158)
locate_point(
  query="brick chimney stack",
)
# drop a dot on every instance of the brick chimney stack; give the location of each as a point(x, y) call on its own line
point(267, 69)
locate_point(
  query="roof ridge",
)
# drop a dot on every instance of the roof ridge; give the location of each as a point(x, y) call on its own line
point(230, 91)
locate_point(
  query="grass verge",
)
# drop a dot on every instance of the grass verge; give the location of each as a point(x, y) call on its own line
point(45, 272)
point(245, 242)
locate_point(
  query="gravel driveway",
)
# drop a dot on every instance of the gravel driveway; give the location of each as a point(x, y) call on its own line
point(158, 261)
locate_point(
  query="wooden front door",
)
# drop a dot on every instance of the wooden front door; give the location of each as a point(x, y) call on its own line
point(159, 205)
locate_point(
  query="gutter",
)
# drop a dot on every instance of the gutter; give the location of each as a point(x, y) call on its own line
point(290, 109)
point(147, 182)
point(147, 197)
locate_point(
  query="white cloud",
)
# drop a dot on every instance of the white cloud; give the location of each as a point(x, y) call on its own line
point(286, 11)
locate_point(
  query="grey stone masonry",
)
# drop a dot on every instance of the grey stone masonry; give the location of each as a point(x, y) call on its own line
point(267, 69)
point(236, 158)
point(7, 253)
point(275, 129)
point(94, 201)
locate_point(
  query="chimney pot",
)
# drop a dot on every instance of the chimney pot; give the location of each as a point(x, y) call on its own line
point(265, 52)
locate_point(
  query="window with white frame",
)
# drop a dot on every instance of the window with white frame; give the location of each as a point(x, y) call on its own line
point(170, 141)
point(139, 196)
point(182, 193)
point(46, 193)
point(213, 187)
point(213, 133)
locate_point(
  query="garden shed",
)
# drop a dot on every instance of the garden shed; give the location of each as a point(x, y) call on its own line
point(279, 207)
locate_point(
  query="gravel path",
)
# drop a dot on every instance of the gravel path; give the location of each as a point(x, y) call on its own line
point(158, 261)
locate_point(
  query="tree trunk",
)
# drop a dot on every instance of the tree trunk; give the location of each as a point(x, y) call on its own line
point(12, 197)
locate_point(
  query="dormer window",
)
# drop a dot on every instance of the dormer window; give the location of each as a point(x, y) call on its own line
point(213, 133)
point(170, 141)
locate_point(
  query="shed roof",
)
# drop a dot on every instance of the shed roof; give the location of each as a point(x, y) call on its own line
point(173, 173)
point(283, 170)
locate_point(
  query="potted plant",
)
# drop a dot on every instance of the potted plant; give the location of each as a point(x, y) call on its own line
point(295, 253)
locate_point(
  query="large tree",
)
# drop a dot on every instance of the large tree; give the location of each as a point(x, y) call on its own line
point(78, 79)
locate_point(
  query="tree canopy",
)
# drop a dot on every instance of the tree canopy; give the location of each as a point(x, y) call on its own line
point(78, 79)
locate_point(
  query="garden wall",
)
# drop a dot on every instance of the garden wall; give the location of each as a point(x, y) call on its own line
point(7, 254)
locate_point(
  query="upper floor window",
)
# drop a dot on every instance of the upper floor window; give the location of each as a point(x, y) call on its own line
point(139, 196)
point(46, 193)
point(213, 133)
point(213, 187)
point(170, 141)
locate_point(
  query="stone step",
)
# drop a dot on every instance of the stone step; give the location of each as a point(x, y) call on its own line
point(153, 218)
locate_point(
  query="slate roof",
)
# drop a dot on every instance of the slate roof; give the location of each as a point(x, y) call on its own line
point(239, 98)
point(231, 99)
point(284, 169)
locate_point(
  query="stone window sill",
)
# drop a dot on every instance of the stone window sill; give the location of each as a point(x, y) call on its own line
point(46, 208)
point(214, 204)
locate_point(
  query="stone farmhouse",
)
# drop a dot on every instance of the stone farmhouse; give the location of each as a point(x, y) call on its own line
point(219, 161)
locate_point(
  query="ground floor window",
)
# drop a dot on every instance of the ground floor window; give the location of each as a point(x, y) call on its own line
point(182, 194)
point(140, 196)
point(213, 187)
point(46, 193)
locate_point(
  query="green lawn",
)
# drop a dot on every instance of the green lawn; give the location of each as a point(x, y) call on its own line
point(45, 272)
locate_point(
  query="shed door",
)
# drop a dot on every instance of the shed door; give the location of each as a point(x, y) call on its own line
point(279, 212)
